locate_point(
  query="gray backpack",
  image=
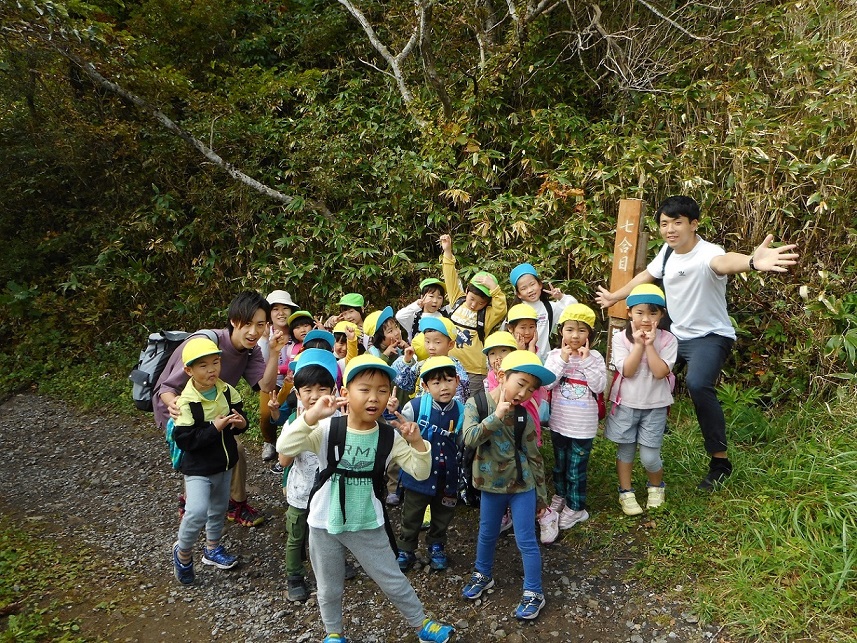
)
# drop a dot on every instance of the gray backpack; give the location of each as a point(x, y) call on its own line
point(153, 359)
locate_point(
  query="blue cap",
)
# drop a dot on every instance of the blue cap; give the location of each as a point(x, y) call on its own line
point(439, 324)
point(646, 294)
point(366, 362)
point(318, 333)
point(527, 362)
point(520, 270)
point(316, 357)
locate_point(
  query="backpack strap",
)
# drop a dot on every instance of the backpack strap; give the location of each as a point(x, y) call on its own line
point(520, 427)
point(197, 412)
point(480, 318)
point(460, 421)
point(667, 254)
point(425, 414)
point(481, 404)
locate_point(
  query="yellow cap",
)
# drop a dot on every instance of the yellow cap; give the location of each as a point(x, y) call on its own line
point(578, 312)
point(376, 319)
point(646, 294)
point(500, 338)
point(527, 362)
point(343, 325)
point(418, 343)
point(197, 347)
point(435, 363)
point(522, 311)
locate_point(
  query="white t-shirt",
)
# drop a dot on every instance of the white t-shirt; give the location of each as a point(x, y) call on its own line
point(696, 295)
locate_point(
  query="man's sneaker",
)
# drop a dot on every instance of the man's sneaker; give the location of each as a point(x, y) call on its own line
point(718, 470)
point(218, 557)
point(434, 632)
point(478, 583)
point(184, 573)
point(426, 519)
point(334, 638)
point(549, 526)
point(269, 452)
point(569, 517)
point(393, 499)
point(437, 557)
point(557, 503)
point(406, 560)
point(656, 496)
point(530, 606)
point(628, 502)
point(181, 506)
point(297, 591)
point(244, 514)
point(506, 521)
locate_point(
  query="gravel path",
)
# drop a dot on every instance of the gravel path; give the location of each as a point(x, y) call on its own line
point(106, 482)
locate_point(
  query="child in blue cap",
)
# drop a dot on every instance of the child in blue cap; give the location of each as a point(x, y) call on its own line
point(549, 302)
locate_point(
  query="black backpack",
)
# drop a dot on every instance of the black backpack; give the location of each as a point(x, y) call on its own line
point(153, 359)
point(198, 418)
point(335, 449)
point(665, 323)
point(466, 491)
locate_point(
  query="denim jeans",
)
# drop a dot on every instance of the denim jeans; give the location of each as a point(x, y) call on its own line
point(705, 357)
point(491, 510)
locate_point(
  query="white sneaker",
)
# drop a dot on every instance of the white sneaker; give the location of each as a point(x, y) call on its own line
point(269, 452)
point(656, 497)
point(569, 517)
point(549, 526)
point(557, 503)
point(628, 502)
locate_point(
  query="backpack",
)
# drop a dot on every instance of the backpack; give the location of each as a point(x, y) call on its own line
point(153, 360)
point(425, 413)
point(198, 418)
point(468, 494)
point(599, 397)
point(480, 317)
point(335, 450)
point(666, 322)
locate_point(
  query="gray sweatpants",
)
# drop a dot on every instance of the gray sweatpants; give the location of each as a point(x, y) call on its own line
point(371, 548)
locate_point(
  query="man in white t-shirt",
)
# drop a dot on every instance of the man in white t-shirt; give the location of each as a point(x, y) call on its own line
point(694, 276)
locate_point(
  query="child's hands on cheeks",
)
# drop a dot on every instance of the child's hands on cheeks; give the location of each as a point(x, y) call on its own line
point(410, 431)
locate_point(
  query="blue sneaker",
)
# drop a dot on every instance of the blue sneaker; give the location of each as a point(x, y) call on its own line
point(335, 638)
point(437, 557)
point(218, 557)
point(184, 573)
point(530, 606)
point(406, 560)
point(434, 632)
point(478, 584)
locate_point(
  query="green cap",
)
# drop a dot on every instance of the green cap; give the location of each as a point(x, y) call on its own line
point(352, 300)
point(431, 281)
point(480, 287)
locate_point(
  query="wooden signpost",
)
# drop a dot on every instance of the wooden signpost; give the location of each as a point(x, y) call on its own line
point(629, 258)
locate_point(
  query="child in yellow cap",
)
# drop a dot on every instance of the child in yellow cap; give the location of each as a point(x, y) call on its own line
point(643, 356)
point(509, 471)
point(581, 375)
point(210, 414)
point(475, 312)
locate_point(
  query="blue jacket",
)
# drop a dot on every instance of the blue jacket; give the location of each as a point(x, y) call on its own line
point(439, 426)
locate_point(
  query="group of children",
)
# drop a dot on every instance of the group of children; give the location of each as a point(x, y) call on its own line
point(421, 405)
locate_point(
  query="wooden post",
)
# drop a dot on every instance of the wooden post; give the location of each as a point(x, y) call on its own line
point(629, 254)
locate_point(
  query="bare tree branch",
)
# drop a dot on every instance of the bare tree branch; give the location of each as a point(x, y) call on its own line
point(670, 21)
point(428, 58)
point(89, 69)
point(394, 62)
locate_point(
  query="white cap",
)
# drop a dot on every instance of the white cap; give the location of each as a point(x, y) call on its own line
point(281, 297)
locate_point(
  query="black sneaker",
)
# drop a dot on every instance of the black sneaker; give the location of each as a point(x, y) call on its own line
point(277, 469)
point(297, 592)
point(718, 470)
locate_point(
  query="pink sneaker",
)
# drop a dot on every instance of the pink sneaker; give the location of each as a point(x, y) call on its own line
point(549, 526)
